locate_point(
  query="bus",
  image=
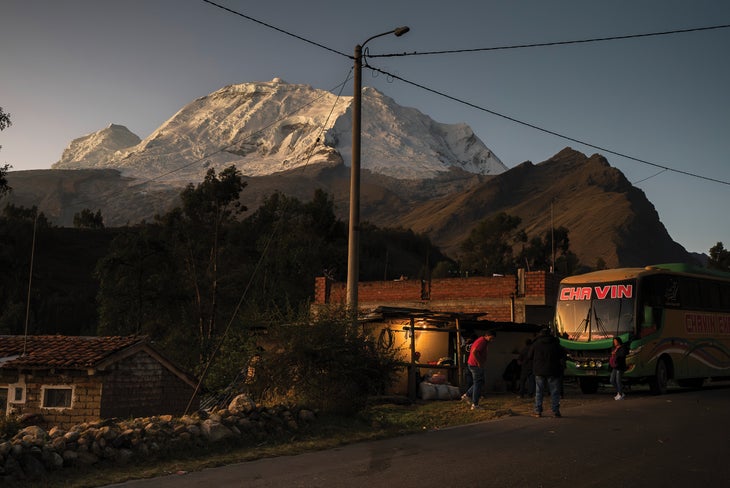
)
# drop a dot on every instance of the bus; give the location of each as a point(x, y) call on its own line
point(675, 319)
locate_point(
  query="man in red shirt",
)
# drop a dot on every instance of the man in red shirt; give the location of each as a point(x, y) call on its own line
point(476, 362)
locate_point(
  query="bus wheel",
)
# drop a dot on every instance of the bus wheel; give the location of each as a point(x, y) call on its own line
point(658, 385)
point(588, 385)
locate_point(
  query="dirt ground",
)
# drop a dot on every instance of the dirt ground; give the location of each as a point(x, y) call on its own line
point(499, 404)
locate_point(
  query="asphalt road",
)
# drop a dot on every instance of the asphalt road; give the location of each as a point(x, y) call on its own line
point(679, 439)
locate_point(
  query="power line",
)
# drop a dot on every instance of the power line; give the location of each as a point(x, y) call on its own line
point(648, 177)
point(541, 129)
point(277, 29)
point(520, 46)
point(556, 43)
point(219, 150)
point(259, 263)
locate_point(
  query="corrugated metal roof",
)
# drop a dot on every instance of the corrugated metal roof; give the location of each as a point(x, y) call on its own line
point(67, 352)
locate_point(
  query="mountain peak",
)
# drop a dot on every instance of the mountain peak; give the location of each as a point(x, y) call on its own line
point(268, 127)
point(92, 150)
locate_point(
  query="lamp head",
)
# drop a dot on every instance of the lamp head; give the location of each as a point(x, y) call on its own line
point(401, 30)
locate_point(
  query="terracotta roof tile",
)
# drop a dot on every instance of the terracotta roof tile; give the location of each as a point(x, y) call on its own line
point(68, 352)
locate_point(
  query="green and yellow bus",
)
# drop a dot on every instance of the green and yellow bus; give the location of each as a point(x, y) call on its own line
point(675, 318)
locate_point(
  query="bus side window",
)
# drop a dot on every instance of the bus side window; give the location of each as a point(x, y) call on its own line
point(656, 289)
point(649, 324)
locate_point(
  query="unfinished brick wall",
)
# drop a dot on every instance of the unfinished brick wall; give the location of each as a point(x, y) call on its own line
point(477, 287)
point(140, 386)
point(497, 296)
point(540, 283)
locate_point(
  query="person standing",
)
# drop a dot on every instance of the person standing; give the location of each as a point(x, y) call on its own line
point(617, 361)
point(476, 362)
point(547, 365)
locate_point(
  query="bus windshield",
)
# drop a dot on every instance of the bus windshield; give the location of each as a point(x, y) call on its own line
point(595, 311)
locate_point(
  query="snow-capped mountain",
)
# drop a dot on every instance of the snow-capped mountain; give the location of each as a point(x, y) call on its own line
point(94, 149)
point(268, 127)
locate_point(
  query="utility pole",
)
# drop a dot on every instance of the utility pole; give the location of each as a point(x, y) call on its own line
point(353, 245)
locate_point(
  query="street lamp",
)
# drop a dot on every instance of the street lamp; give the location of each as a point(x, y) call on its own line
point(353, 253)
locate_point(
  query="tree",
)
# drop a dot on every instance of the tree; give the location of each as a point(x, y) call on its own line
point(196, 234)
point(389, 252)
point(18, 213)
point(86, 219)
point(538, 254)
point(719, 258)
point(4, 120)
point(293, 242)
point(488, 249)
point(168, 279)
point(138, 285)
point(17, 228)
point(4, 124)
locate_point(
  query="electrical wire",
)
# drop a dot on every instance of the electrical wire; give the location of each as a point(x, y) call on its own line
point(367, 55)
point(277, 29)
point(260, 261)
point(556, 43)
point(542, 129)
point(201, 159)
point(648, 177)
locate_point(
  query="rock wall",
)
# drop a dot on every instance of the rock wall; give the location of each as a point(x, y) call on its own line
point(33, 452)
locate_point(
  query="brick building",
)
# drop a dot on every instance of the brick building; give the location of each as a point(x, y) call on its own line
point(426, 321)
point(68, 380)
point(527, 297)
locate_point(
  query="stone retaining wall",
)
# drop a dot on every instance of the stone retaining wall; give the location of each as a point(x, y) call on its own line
point(33, 452)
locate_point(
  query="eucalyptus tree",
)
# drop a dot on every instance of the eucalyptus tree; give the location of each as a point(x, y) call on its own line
point(550, 250)
point(489, 247)
point(197, 234)
point(163, 278)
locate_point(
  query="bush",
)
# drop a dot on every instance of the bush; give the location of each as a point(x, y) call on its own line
point(9, 426)
point(228, 366)
point(328, 364)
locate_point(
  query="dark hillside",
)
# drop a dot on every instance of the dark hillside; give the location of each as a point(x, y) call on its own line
point(606, 216)
point(60, 194)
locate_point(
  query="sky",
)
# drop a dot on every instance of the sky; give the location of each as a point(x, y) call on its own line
point(655, 106)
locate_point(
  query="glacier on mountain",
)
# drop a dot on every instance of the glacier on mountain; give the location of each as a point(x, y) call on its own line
point(269, 127)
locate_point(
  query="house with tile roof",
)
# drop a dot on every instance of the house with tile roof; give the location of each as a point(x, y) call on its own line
point(68, 380)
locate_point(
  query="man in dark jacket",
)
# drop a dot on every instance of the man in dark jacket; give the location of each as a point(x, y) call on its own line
point(547, 366)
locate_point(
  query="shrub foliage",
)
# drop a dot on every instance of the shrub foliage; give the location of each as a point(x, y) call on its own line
point(329, 364)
